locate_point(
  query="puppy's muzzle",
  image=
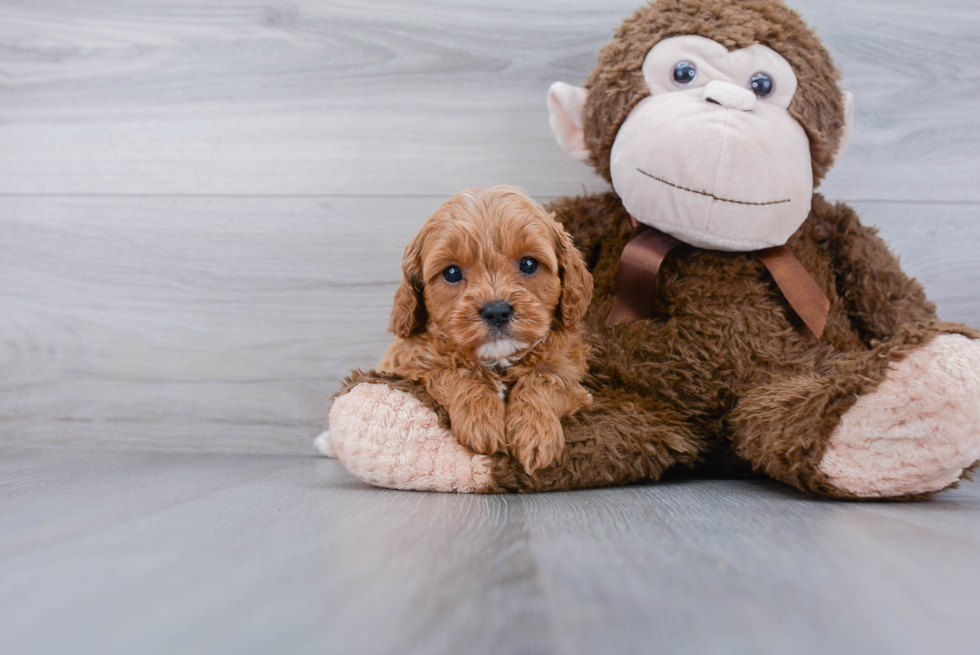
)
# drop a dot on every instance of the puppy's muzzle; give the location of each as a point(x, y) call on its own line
point(497, 313)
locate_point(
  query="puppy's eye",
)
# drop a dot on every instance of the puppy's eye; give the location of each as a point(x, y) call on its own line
point(528, 265)
point(453, 274)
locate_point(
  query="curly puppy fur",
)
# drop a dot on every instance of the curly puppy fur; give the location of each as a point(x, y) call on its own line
point(505, 386)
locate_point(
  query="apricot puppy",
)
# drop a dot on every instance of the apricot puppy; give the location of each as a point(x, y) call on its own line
point(488, 317)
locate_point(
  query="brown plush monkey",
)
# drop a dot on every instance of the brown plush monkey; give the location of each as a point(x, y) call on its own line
point(825, 368)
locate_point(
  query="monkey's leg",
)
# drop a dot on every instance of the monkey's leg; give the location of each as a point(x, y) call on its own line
point(901, 420)
point(620, 438)
point(388, 434)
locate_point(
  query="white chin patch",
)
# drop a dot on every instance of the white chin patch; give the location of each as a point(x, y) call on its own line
point(499, 352)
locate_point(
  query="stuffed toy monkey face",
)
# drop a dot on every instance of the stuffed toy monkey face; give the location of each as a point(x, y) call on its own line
point(712, 155)
point(707, 158)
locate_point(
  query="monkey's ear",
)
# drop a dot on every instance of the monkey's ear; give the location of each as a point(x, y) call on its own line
point(845, 135)
point(566, 108)
point(408, 313)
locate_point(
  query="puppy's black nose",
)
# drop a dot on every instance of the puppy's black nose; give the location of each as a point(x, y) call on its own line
point(497, 313)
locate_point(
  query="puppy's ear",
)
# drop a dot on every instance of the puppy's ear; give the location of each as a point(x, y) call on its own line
point(408, 314)
point(576, 282)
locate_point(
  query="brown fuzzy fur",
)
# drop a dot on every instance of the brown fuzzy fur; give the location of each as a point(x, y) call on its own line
point(515, 402)
point(725, 375)
point(749, 380)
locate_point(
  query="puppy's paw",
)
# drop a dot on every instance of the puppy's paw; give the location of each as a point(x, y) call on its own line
point(535, 438)
point(479, 425)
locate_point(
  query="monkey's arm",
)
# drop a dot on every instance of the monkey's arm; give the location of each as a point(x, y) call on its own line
point(598, 224)
point(879, 297)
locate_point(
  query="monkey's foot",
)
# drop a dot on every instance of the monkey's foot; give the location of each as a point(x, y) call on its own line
point(918, 431)
point(389, 439)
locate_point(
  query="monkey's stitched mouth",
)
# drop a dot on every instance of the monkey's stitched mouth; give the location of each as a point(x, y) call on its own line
point(711, 195)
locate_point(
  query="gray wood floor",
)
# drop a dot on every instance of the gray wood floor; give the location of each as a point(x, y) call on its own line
point(189, 553)
point(202, 210)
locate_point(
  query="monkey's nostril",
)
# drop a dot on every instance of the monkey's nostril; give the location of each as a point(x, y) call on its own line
point(497, 313)
point(730, 96)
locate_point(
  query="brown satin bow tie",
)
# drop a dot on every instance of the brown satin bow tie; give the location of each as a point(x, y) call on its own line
point(642, 257)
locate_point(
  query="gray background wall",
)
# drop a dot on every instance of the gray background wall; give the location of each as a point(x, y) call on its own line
point(203, 205)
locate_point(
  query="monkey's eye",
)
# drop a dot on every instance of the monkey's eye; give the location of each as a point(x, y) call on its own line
point(684, 73)
point(528, 265)
point(453, 274)
point(762, 85)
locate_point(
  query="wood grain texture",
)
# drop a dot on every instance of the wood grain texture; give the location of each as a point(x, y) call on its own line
point(381, 97)
point(120, 553)
point(223, 324)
